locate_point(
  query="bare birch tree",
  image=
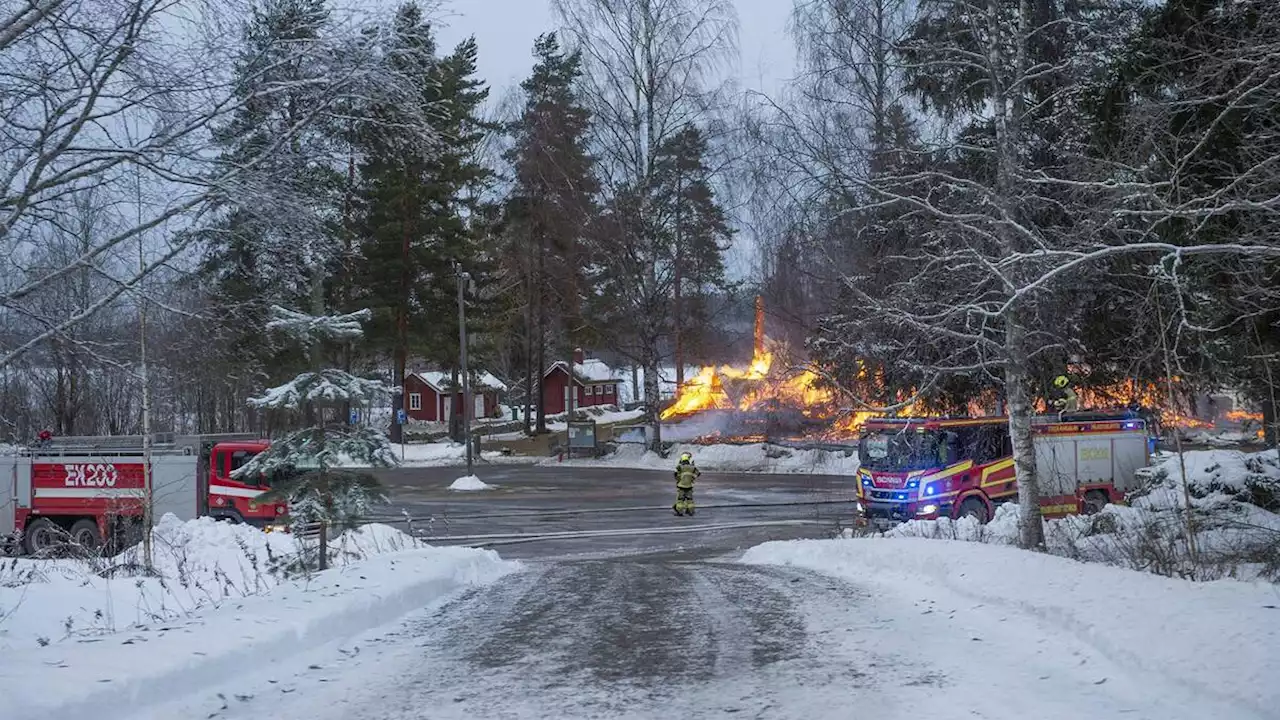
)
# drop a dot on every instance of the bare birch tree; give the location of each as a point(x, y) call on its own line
point(650, 71)
point(75, 75)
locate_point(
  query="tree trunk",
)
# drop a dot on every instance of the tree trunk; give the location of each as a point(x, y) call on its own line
point(346, 273)
point(402, 327)
point(1269, 425)
point(1017, 388)
point(636, 392)
point(313, 417)
point(677, 327)
point(652, 398)
point(541, 338)
point(456, 409)
point(528, 365)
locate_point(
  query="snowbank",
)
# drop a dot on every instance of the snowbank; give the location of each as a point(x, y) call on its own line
point(168, 648)
point(470, 482)
point(1218, 638)
point(758, 457)
point(1222, 438)
point(1229, 472)
point(556, 423)
point(200, 564)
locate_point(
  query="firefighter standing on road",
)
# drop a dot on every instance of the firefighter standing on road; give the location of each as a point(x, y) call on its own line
point(686, 473)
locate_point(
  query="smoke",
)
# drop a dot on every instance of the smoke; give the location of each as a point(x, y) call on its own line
point(708, 422)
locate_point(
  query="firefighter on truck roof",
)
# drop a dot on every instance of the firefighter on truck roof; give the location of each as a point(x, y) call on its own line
point(686, 473)
point(1062, 397)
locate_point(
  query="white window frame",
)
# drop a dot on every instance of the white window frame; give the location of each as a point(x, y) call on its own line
point(608, 389)
point(591, 390)
point(415, 401)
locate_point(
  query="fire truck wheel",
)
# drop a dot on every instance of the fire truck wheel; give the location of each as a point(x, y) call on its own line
point(975, 508)
point(85, 534)
point(42, 534)
point(1094, 501)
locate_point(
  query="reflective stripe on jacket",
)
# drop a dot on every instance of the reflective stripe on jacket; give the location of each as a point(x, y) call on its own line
point(685, 475)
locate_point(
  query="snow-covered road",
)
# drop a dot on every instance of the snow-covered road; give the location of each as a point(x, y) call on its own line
point(661, 637)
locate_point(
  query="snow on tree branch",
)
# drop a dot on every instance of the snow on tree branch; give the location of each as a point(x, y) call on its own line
point(327, 387)
point(308, 329)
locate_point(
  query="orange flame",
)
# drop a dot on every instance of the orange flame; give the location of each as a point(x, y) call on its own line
point(1242, 416)
point(700, 392)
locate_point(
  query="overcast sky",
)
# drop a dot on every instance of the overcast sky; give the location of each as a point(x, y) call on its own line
point(505, 30)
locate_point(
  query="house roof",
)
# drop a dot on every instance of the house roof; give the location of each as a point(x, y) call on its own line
point(589, 370)
point(443, 381)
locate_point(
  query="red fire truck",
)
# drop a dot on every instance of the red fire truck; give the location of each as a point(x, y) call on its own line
point(92, 490)
point(925, 468)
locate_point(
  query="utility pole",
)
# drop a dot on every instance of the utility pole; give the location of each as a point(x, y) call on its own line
point(463, 278)
point(147, 494)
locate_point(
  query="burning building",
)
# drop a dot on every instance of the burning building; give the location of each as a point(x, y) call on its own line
point(769, 397)
point(774, 398)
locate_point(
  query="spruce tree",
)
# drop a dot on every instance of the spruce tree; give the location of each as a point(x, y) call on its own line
point(416, 201)
point(272, 230)
point(306, 465)
point(698, 233)
point(549, 205)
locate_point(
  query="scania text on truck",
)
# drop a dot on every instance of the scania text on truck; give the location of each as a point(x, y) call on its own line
point(93, 490)
point(925, 468)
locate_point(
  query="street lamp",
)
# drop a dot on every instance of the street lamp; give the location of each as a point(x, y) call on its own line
point(463, 279)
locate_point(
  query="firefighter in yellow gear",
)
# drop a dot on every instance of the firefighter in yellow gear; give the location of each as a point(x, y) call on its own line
point(1066, 400)
point(686, 473)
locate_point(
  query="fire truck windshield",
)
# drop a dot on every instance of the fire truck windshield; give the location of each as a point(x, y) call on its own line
point(893, 449)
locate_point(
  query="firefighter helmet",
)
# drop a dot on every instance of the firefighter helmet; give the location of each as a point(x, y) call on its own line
point(1060, 381)
point(686, 457)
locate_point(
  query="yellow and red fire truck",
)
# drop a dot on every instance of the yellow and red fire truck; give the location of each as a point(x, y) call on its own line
point(93, 490)
point(926, 468)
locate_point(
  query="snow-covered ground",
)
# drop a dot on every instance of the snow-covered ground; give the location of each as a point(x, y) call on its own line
point(446, 454)
point(200, 564)
point(1035, 620)
point(757, 457)
point(557, 423)
point(1223, 438)
point(470, 482)
point(892, 629)
point(78, 638)
point(1235, 537)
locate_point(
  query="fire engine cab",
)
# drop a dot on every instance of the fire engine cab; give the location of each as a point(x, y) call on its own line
point(925, 468)
point(93, 490)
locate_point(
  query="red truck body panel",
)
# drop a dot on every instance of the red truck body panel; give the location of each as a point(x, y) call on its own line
point(105, 480)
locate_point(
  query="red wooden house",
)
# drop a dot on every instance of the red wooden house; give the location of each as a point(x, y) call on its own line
point(430, 395)
point(594, 383)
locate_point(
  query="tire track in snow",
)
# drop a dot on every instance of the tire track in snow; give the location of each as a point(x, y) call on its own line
point(629, 638)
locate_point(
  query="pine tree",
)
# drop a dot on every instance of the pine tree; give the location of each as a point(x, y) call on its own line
point(698, 233)
point(550, 203)
point(306, 466)
point(273, 230)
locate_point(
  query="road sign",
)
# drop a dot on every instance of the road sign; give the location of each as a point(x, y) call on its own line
point(400, 416)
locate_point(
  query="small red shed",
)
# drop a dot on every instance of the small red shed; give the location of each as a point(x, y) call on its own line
point(594, 383)
point(430, 395)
